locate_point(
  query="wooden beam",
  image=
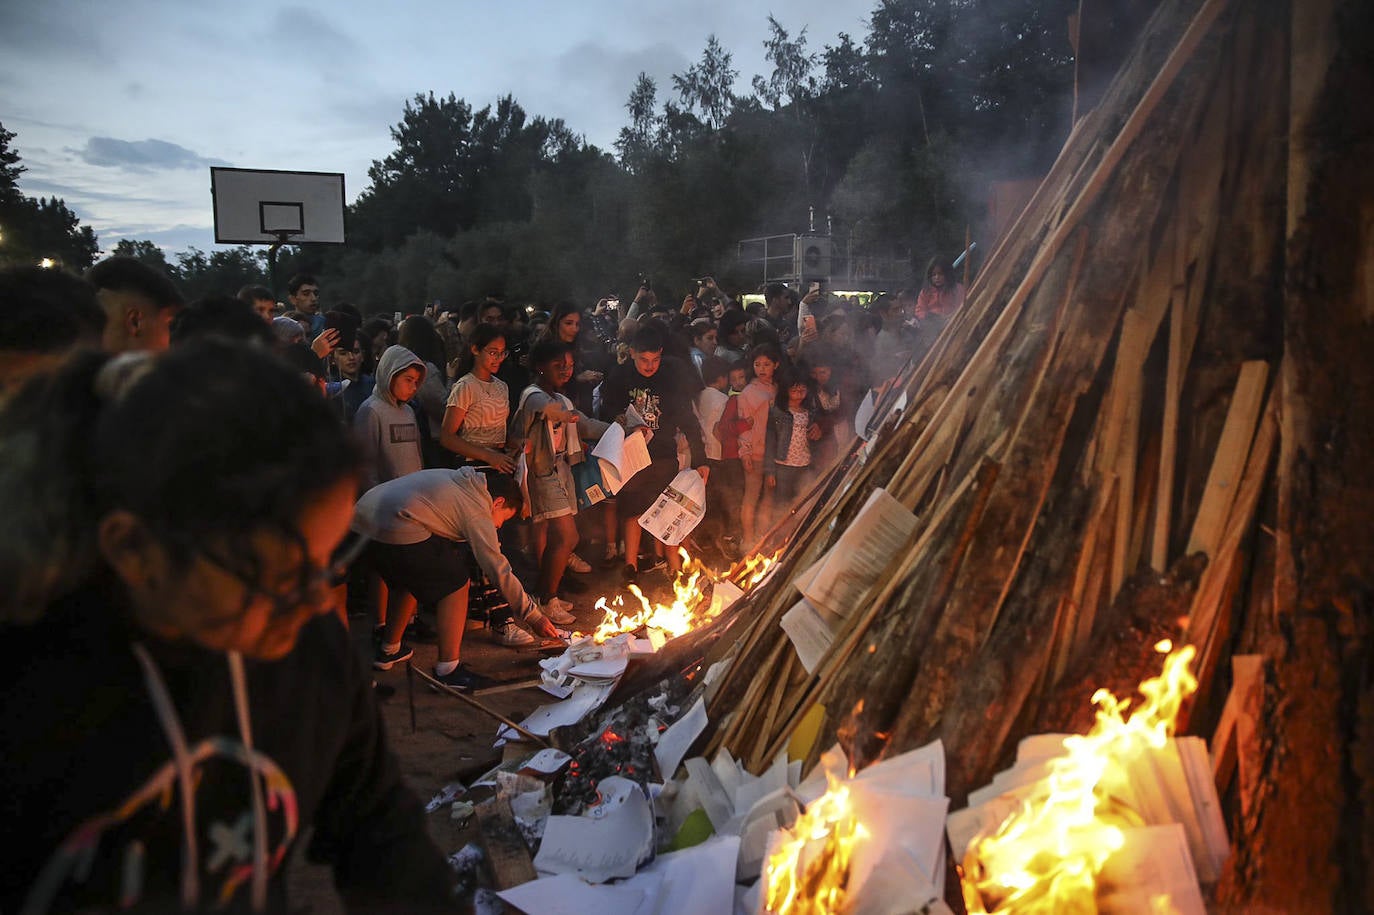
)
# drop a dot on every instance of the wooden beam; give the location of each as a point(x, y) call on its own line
point(507, 854)
point(1233, 448)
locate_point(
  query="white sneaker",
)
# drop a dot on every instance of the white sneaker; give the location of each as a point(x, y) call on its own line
point(512, 636)
point(577, 564)
point(558, 611)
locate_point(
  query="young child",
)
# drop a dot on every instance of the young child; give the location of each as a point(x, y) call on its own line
point(385, 424)
point(787, 449)
point(549, 431)
point(738, 377)
point(753, 406)
point(731, 476)
point(710, 405)
point(829, 412)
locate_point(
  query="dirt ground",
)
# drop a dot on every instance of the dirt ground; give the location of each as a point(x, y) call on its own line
point(443, 739)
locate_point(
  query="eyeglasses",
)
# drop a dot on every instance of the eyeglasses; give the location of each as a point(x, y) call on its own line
point(312, 579)
point(496, 353)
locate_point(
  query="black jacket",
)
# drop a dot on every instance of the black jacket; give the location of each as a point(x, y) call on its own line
point(92, 801)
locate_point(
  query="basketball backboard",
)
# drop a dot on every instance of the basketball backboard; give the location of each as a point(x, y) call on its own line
point(259, 206)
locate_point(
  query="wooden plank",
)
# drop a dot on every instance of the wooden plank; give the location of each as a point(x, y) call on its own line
point(1223, 479)
point(1247, 680)
point(1216, 579)
point(1168, 449)
point(507, 854)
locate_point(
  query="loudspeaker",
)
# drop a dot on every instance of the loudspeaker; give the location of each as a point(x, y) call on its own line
point(811, 258)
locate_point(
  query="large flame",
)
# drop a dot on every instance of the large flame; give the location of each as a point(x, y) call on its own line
point(1046, 857)
point(808, 873)
point(689, 609)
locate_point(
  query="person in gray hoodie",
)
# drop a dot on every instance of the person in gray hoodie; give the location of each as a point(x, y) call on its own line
point(385, 425)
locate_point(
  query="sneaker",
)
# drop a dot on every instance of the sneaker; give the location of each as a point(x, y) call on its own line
point(629, 574)
point(658, 564)
point(577, 564)
point(463, 679)
point(381, 660)
point(512, 636)
point(558, 611)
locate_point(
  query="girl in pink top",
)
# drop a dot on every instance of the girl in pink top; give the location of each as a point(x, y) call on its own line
point(754, 401)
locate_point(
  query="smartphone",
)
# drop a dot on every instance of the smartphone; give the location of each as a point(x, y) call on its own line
point(345, 324)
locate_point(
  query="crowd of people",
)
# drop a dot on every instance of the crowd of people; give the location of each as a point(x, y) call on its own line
point(198, 494)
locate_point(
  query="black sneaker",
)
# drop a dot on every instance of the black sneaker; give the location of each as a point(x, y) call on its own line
point(463, 679)
point(381, 660)
point(629, 574)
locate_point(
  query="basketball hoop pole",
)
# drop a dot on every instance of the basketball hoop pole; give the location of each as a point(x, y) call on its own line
point(282, 236)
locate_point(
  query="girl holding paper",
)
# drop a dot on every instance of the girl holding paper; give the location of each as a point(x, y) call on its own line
point(550, 432)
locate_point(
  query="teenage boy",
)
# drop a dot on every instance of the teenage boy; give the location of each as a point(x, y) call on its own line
point(710, 405)
point(661, 389)
point(417, 525)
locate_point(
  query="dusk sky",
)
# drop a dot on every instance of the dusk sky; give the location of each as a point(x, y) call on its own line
point(121, 108)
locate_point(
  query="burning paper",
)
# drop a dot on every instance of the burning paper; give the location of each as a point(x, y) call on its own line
point(1076, 837)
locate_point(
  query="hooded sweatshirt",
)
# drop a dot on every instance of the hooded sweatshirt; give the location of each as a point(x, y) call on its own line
point(99, 800)
point(386, 429)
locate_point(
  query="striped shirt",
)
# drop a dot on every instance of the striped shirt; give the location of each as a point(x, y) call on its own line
point(486, 407)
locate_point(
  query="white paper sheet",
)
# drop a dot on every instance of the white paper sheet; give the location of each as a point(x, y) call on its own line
point(566, 894)
point(693, 881)
point(838, 582)
point(547, 761)
point(621, 455)
point(1153, 862)
point(584, 700)
point(810, 634)
point(675, 741)
point(608, 842)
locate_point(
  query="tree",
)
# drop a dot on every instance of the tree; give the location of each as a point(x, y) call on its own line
point(709, 84)
point(37, 230)
point(791, 81)
point(10, 169)
point(636, 140)
point(222, 272)
point(145, 251)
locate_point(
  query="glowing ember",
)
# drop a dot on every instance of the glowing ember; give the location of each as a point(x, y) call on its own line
point(809, 871)
point(1046, 857)
point(688, 610)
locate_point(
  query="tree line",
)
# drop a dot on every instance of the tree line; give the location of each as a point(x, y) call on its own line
point(888, 142)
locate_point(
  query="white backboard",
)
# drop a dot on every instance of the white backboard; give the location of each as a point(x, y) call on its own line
point(258, 206)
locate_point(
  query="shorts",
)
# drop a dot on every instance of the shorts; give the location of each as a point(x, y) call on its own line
point(639, 494)
point(552, 495)
point(431, 569)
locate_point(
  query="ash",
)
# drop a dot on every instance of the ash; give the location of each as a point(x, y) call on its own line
point(622, 743)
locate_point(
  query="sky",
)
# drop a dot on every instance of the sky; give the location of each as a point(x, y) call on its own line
point(122, 108)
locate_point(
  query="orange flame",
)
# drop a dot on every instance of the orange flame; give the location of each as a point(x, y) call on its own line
point(809, 870)
point(1046, 856)
point(689, 609)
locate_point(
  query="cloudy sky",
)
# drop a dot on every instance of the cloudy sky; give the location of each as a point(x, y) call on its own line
point(121, 108)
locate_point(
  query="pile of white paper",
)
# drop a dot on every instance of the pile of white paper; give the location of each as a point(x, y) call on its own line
point(899, 868)
point(1183, 843)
